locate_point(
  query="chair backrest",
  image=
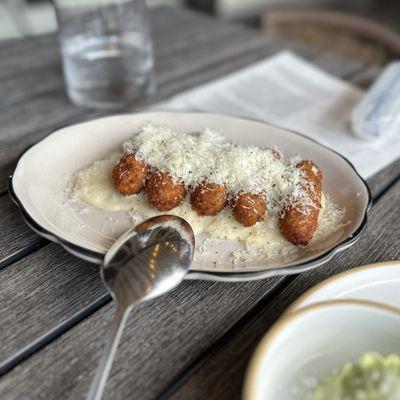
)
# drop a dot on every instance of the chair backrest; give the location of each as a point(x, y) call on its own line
point(339, 32)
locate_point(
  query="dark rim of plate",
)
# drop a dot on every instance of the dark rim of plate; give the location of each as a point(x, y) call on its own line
point(97, 257)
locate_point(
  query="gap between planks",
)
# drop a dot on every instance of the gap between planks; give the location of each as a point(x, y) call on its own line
point(78, 317)
point(213, 370)
point(182, 377)
point(185, 374)
point(248, 56)
point(172, 86)
point(33, 246)
point(87, 311)
point(53, 334)
point(167, 88)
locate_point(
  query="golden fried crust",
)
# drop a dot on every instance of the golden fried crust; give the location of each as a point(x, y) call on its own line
point(163, 193)
point(313, 175)
point(208, 198)
point(249, 208)
point(298, 222)
point(129, 175)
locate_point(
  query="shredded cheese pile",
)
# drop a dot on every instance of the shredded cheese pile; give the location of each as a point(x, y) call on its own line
point(197, 157)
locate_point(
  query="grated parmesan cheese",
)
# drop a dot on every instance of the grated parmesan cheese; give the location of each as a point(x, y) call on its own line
point(263, 241)
point(193, 158)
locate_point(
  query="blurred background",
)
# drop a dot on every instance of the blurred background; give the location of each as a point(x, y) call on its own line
point(364, 29)
point(27, 17)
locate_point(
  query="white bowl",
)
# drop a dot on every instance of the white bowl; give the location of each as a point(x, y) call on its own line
point(308, 345)
point(378, 282)
point(37, 187)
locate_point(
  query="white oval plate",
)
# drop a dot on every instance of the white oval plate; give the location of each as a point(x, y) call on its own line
point(379, 282)
point(308, 345)
point(38, 187)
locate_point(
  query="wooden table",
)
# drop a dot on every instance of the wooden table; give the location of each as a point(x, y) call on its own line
point(194, 343)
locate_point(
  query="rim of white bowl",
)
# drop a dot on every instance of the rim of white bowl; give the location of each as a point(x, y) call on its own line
point(294, 306)
point(250, 381)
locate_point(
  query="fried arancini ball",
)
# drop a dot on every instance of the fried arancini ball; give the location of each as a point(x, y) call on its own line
point(208, 198)
point(249, 208)
point(312, 175)
point(163, 192)
point(298, 220)
point(129, 175)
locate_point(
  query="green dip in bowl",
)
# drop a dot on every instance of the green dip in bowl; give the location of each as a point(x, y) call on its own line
point(371, 377)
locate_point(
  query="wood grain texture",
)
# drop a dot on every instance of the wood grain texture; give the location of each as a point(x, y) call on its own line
point(221, 376)
point(11, 221)
point(203, 61)
point(384, 179)
point(39, 292)
point(161, 337)
point(43, 73)
point(15, 234)
point(45, 48)
point(195, 51)
point(27, 122)
point(43, 105)
point(14, 53)
point(168, 334)
point(49, 287)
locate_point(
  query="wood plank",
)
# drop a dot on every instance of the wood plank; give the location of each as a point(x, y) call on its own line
point(172, 332)
point(197, 298)
point(192, 78)
point(16, 55)
point(53, 322)
point(25, 123)
point(168, 316)
point(14, 49)
point(41, 268)
point(15, 234)
point(26, 238)
point(384, 179)
point(23, 126)
point(44, 74)
point(64, 311)
point(49, 285)
point(28, 122)
point(221, 376)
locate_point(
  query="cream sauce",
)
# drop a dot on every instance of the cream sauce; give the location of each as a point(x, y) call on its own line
point(93, 185)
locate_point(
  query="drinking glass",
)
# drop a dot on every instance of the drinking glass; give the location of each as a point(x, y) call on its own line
point(107, 51)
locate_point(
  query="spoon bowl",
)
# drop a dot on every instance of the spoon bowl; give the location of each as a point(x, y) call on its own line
point(145, 262)
point(149, 260)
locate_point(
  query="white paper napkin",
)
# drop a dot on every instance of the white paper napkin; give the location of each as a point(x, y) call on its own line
point(287, 91)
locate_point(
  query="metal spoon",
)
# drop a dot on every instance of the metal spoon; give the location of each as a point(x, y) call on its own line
point(143, 263)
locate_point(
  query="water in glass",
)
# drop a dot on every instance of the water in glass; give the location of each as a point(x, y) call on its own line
point(107, 54)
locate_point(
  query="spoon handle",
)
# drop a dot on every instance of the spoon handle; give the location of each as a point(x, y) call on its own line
point(100, 379)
